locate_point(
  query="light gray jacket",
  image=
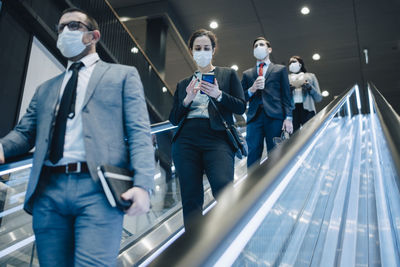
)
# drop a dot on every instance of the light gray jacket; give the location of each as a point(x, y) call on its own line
point(315, 93)
point(115, 124)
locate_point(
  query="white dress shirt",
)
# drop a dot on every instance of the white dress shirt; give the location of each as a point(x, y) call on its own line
point(74, 147)
point(265, 67)
point(199, 107)
point(297, 80)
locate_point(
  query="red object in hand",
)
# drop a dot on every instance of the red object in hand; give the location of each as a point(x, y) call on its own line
point(260, 69)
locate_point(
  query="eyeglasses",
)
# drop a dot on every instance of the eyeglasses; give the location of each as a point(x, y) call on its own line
point(72, 26)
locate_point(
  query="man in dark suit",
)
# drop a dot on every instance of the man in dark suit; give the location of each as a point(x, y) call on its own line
point(266, 88)
point(94, 113)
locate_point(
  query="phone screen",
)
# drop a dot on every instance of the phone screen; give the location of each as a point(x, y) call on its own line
point(208, 77)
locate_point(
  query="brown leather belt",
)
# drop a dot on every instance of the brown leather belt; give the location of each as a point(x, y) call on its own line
point(78, 167)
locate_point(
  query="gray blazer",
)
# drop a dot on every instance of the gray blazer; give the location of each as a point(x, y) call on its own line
point(115, 121)
point(309, 99)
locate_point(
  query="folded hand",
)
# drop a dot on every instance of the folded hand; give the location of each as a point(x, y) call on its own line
point(306, 87)
point(2, 159)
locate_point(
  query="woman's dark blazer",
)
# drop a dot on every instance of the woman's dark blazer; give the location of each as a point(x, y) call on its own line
point(232, 101)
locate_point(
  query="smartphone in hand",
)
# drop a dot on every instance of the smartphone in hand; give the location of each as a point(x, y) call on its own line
point(208, 77)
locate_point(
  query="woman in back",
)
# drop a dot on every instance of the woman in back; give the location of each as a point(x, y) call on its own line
point(305, 91)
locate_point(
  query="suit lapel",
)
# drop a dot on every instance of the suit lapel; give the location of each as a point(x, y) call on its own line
point(270, 67)
point(54, 92)
point(254, 72)
point(217, 73)
point(97, 74)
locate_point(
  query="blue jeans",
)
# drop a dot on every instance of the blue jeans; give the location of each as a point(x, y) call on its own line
point(74, 224)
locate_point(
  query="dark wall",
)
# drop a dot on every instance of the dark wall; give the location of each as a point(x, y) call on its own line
point(14, 50)
point(20, 20)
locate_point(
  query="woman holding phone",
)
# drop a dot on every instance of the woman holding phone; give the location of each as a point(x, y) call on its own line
point(200, 144)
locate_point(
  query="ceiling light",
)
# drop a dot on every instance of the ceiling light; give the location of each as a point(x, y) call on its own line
point(213, 24)
point(325, 93)
point(316, 56)
point(305, 10)
point(164, 89)
point(235, 67)
point(123, 19)
point(135, 50)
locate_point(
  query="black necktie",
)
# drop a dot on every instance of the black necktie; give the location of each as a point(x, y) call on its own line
point(66, 110)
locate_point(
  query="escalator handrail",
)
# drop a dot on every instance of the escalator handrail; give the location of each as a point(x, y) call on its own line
point(213, 233)
point(390, 123)
point(25, 161)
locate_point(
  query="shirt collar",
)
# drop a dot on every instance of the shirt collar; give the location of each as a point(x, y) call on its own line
point(87, 60)
point(211, 71)
point(266, 62)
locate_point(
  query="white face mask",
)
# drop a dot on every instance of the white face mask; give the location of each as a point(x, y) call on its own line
point(202, 58)
point(70, 43)
point(260, 52)
point(294, 67)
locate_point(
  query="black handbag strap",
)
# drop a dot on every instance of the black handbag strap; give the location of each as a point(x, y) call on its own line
point(219, 113)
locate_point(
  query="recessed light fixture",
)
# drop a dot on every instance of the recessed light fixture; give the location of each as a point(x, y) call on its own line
point(305, 10)
point(316, 56)
point(365, 50)
point(235, 67)
point(135, 50)
point(123, 19)
point(213, 24)
point(164, 89)
point(325, 93)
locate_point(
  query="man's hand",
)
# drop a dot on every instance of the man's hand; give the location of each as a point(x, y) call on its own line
point(2, 159)
point(287, 126)
point(258, 84)
point(140, 201)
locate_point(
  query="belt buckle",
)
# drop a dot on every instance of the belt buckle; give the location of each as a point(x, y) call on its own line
point(77, 170)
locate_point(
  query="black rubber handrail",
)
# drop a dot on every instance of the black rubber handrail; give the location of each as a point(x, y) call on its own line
point(390, 123)
point(213, 233)
point(26, 159)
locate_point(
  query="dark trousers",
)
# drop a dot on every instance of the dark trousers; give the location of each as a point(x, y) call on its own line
point(301, 116)
point(260, 128)
point(196, 150)
point(73, 222)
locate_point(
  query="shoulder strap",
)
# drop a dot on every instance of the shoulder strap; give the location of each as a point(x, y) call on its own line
point(219, 113)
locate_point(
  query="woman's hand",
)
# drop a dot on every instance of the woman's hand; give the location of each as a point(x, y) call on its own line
point(191, 92)
point(211, 89)
point(306, 86)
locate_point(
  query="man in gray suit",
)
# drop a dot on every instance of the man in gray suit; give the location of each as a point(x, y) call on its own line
point(266, 88)
point(94, 113)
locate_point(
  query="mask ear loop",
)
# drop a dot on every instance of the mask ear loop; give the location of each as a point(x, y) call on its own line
point(90, 42)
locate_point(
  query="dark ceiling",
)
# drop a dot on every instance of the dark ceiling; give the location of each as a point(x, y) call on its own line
point(338, 30)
